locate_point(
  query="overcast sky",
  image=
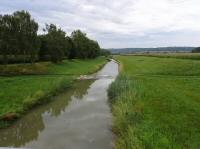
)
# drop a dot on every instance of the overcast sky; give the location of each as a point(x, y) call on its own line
point(119, 23)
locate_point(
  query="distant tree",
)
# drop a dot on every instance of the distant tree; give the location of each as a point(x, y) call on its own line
point(80, 43)
point(93, 49)
point(56, 43)
point(18, 38)
point(68, 46)
point(196, 50)
point(72, 50)
point(6, 26)
point(104, 52)
point(43, 53)
point(18, 35)
point(26, 34)
point(83, 46)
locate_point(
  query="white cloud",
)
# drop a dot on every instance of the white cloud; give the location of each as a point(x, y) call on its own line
point(120, 23)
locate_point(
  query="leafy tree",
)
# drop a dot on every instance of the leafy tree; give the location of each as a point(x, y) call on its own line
point(43, 51)
point(18, 36)
point(6, 38)
point(93, 49)
point(69, 48)
point(56, 43)
point(196, 50)
point(80, 43)
point(83, 46)
point(104, 52)
point(26, 34)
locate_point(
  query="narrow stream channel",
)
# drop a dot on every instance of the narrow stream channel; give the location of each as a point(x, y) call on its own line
point(80, 118)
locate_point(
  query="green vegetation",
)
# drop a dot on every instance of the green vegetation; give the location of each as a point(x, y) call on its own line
point(19, 41)
point(20, 93)
point(192, 56)
point(33, 83)
point(67, 67)
point(155, 103)
point(196, 50)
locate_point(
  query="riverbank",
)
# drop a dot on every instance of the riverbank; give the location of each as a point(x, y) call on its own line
point(20, 93)
point(79, 117)
point(155, 103)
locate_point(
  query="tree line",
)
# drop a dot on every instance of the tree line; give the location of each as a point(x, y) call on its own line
point(20, 42)
point(196, 50)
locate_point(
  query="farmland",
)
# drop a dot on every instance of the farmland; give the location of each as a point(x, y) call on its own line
point(155, 102)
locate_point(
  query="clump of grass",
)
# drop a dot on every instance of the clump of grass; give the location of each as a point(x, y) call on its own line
point(127, 112)
point(121, 85)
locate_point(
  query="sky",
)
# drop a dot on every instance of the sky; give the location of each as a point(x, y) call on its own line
point(119, 23)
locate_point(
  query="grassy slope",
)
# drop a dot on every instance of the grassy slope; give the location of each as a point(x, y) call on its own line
point(155, 108)
point(66, 67)
point(19, 93)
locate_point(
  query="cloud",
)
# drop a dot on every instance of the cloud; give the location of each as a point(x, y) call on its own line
point(120, 23)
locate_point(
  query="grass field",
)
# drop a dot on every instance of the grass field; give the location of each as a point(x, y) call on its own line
point(19, 93)
point(192, 56)
point(156, 103)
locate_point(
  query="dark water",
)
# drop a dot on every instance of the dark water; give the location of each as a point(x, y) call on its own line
point(80, 118)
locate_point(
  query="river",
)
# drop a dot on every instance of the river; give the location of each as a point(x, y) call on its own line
point(79, 118)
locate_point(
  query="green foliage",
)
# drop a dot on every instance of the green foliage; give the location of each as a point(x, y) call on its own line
point(56, 43)
point(105, 52)
point(158, 103)
point(83, 46)
point(18, 36)
point(196, 50)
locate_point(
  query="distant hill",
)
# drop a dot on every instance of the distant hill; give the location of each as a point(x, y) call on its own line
point(159, 49)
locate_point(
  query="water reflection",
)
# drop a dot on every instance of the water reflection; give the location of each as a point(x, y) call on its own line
point(29, 127)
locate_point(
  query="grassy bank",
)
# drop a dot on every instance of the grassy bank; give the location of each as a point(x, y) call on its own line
point(67, 67)
point(155, 103)
point(20, 93)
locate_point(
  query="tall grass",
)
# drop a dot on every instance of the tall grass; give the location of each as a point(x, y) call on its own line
point(127, 112)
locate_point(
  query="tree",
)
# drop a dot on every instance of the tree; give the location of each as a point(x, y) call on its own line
point(104, 52)
point(196, 50)
point(18, 35)
point(26, 34)
point(93, 49)
point(83, 46)
point(18, 38)
point(6, 36)
point(56, 43)
point(80, 43)
point(69, 53)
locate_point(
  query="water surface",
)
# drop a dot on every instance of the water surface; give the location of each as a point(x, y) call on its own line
point(80, 118)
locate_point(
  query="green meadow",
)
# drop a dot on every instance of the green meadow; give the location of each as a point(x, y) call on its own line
point(32, 84)
point(192, 56)
point(155, 103)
